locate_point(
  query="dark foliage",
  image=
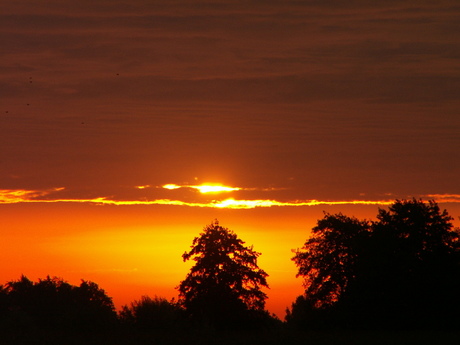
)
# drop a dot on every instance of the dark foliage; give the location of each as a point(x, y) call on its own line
point(328, 262)
point(400, 272)
point(223, 288)
point(152, 314)
point(52, 303)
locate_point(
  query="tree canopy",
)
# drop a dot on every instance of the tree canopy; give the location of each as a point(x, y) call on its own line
point(53, 303)
point(402, 270)
point(152, 313)
point(328, 259)
point(225, 283)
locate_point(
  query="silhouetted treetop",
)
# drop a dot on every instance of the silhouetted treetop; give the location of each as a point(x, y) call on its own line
point(421, 227)
point(327, 260)
point(225, 279)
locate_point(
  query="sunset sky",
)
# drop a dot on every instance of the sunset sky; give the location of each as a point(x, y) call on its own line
point(114, 114)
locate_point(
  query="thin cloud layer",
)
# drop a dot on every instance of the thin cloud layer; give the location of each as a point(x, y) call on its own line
point(445, 198)
point(10, 196)
point(52, 196)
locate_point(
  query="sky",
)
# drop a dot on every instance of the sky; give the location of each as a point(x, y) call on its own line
point(114, 113)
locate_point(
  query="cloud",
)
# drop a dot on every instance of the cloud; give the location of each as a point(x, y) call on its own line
point(12, 196)
point(319, 90)
point(248, 204)
point(444, 198)
point(199, 55)
point(34, 196)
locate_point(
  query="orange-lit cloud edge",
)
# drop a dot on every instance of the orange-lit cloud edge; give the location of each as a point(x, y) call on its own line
point(10, 196)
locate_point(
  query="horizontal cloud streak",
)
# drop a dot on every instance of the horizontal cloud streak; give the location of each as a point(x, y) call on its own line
point(12, 196)
point(33, 196)
point(447, 198)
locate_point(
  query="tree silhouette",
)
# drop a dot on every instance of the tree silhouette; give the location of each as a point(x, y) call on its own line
point(402, 270)
point(414, 264)
point(224, 286)
point(328, 260)
point(52, 303)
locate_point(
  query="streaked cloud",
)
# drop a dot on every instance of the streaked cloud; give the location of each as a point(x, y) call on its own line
point(9, 196)
point(12, 196)
point(448, 198)
point(247, 204)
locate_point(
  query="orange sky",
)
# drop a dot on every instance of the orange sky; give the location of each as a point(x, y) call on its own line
point(299, 107)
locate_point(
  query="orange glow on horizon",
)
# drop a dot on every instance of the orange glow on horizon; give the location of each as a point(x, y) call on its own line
point(131, 251)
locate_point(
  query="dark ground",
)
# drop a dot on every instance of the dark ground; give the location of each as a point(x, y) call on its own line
point(282, 337)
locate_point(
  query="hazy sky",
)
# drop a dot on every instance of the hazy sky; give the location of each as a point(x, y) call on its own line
point(289, 101)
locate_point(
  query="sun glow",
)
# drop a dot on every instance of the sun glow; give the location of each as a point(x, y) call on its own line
point(171, 186)
point(204, 188)
point(214, 188)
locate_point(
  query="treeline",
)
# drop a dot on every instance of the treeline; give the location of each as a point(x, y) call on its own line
point(54, 304)
point(399, 272)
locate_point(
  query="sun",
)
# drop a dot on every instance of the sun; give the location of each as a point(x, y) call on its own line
point(204, 188)
point(171, 186)
point(214, 188)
